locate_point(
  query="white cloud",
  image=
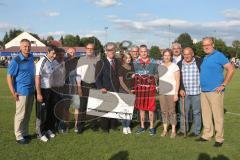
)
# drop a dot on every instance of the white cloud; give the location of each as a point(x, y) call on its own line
point(143, 14)
point(158, 28)
point(5, 26)
point(106, 3)
point(232, 13)
point(111, 16)
point(52, 14)
point(56, 33)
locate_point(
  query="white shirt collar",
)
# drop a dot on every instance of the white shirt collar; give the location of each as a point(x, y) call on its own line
point(110, 60)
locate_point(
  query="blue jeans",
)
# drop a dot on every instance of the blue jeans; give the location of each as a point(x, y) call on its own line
point(194, 101)
point(126, 122)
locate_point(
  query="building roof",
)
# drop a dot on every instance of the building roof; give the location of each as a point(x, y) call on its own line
point(25, 35)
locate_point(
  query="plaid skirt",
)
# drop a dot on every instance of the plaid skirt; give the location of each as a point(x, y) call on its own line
point(145, 90)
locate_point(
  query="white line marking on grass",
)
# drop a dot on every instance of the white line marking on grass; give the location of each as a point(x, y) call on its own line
point(237, 114)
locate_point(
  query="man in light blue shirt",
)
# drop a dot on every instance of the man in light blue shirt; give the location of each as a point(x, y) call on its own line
point(213, 83)
point(20, 80)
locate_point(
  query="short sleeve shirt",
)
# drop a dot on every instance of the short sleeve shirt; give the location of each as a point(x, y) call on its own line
point(212, 68)
point(170, 78)
point(44, 68)
point(22, 70)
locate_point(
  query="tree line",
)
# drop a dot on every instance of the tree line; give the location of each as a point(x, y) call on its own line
point(155, 52)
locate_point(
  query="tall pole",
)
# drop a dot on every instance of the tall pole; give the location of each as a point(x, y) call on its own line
point(106, 34)
point(169, 37)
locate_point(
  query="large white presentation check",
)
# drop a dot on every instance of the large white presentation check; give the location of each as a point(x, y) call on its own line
point(110, 104)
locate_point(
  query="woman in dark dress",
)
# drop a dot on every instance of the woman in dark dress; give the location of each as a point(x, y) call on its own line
point(126, 84)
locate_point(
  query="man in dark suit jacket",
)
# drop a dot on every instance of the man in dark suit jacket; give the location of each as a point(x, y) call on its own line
point(107, 80)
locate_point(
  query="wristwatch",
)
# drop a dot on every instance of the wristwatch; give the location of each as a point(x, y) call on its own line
point(223, 85)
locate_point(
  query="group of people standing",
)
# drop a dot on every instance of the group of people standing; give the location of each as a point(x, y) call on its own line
point(179, 80)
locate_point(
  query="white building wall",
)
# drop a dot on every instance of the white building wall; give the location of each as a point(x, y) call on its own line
point(24, 35)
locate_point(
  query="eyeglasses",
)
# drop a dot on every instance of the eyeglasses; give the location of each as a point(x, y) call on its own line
point(110, 50)
point(90, 48)
point(206, 45)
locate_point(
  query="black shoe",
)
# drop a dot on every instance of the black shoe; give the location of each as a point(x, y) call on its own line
point(218, 144)
point(115, 129)
point(80, 130)
point(22, 141)
point(27, 137)
point(201, 140)
point(106, 131)
point(180, 134)
point(94, 129)
point(193, 135)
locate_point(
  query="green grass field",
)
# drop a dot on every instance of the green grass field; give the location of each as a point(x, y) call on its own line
point(116, 146)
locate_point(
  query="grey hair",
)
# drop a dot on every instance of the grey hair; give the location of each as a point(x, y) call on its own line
point(209, 38)
point(134, 46)
point(110, 44)
point(177, 44)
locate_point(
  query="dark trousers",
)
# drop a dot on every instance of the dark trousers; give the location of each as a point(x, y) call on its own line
point(83, 104)
point(57, 97)
point(108, 123)
point(45, 112)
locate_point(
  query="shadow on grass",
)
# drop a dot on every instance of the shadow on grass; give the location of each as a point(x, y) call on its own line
point(204, 156)
point(122, 155)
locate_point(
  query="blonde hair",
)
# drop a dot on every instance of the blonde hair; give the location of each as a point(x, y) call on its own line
point(124, 55)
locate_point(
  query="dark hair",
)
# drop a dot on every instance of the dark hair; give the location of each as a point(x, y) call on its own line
point(25, 40)
point(143, 46)
point(60, 50)
point(52, 48)
point(169, 51)
point(89, 43)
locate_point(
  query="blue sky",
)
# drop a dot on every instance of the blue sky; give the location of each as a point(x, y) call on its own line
point(153, 22)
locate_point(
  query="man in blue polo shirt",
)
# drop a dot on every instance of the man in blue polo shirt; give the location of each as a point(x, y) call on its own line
point(20, 80)
point(213, 83)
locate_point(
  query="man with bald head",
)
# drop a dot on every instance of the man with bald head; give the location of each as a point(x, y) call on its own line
point(190, 90)
point(71, 86)
point(213, 83)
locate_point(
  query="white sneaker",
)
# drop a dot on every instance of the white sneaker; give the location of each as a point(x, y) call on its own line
point(129, 130)
point(125, 130)
point(44, 138)
point(50, 134)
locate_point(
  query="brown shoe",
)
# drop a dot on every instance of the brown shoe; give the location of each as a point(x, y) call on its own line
point(173, 135)
point(164, 133)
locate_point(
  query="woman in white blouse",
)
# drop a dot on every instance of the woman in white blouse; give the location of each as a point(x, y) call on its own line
point(169, 79)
